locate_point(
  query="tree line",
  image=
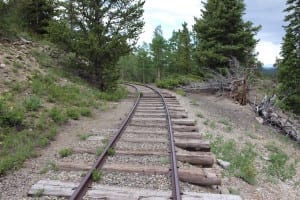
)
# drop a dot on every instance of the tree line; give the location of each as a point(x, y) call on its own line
point(218, 36)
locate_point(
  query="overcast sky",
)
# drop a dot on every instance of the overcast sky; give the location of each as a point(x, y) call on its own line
point(170, 14)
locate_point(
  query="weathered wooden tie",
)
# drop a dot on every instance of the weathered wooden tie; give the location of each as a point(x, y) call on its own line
point(206, 159)
point(194, 175)
point(97, 191)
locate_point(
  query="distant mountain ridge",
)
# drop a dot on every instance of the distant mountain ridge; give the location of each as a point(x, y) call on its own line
point(269, 71)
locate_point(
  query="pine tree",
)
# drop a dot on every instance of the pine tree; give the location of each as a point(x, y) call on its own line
point(37, 14)
point(289, 66)
point(222, 34)
point(143, 63)
point(158, 47)
point(172, 62)
point(185, 50)
point(100, 32)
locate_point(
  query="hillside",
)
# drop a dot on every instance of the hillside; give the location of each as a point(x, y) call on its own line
point(37, 97)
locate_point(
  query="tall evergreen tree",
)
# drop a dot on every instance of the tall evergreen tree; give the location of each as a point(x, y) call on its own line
point(221, 34)
point(289, 66)
point(37, 14)
point(185, 50)
point(172, 66)
point(158, 46)
point(143, 62)
point(103, 32)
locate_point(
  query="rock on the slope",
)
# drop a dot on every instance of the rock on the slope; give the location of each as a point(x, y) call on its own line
point(223, 164)
point(260, 120)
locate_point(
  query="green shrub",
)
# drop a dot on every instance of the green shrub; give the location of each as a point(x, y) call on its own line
point(200, 115)
point(57, 115)
point(65, 152)
point(86, 112)
point(112, 95)
point(174, 81)
point(43, 58)
point(180, 92)
point(99, 151)
point(32, 103)
point(16, 148)
point(242, 161)
point(104, 141)
point(278, 166)
point(245, 163)
point(73, 113)
point(96, 175)
point(11, 116)
point(83, 137)
point(111, 151)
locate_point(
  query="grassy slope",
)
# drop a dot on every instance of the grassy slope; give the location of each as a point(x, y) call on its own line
point(36, 97)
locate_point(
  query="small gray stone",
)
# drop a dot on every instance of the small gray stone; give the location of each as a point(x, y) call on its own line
point(266, 158)
point(223, 164)
point(260, 120)
point(2, 65)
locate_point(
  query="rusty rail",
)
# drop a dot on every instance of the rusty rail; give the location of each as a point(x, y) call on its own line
point(176, 194)
point(85, 183)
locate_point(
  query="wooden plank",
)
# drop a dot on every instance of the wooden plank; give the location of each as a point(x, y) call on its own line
point(118, 193)
point(181, 128)
point(143, 140)
point(187, 135)
point(95, 138)
point(206, 159)
point(158, 103)
point(186, 122)
point(148, 125)
point(53, 188)
point(195, 175)
point(197, 158)
point(190, 144)
point(157, 115)
point(142, 132)
point(160, 112)
point(159, 106)
point(147, 109)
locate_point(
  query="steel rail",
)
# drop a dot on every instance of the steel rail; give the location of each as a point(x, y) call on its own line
point(85, 183)
point(176, 194)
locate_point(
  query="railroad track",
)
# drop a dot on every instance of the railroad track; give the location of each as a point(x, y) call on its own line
point(156, 153)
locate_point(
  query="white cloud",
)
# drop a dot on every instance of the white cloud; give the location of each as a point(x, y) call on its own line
point(170, 14)
point(268, 51)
